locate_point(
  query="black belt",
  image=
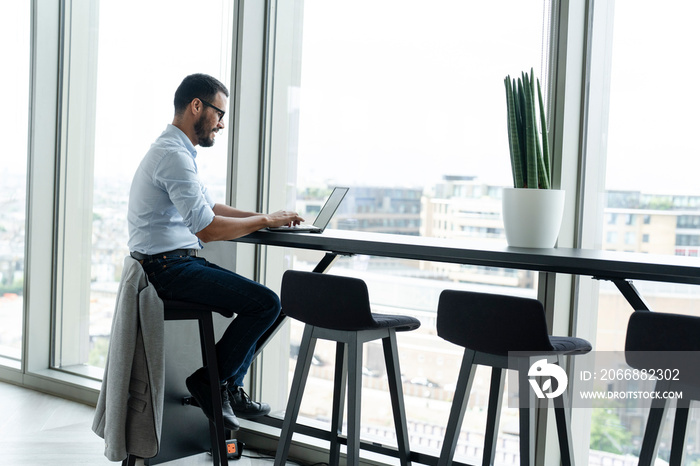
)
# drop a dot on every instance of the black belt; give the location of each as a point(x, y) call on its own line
point(162, 255)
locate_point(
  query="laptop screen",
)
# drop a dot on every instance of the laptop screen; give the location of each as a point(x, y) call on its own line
point(329, 208)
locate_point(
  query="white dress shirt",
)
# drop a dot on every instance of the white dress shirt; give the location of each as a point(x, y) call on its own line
point(168, 203)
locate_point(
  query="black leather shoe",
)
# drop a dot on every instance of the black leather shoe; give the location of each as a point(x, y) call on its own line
point(243, 406)
point(226, 406)
point(198, 386)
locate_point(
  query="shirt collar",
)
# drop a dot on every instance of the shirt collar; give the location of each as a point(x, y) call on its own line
point(177, 132)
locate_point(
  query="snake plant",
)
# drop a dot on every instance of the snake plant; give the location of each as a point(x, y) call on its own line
point(529, 156)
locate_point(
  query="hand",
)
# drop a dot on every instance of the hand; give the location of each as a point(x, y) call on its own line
point(284, 218)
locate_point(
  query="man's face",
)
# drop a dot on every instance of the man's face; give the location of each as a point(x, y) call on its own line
point(210, 121)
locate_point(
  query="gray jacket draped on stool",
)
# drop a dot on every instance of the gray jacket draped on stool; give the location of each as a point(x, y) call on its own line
point(130, 406)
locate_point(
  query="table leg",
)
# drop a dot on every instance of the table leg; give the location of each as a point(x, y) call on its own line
point(629, 291)
point(326, 263)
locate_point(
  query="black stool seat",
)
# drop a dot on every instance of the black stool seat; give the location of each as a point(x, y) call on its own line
point(397, 322)
point(173, 306)
point(182, 310)
point(658, 340)
point(337, 309)
point(503, 332)
point(569, 345)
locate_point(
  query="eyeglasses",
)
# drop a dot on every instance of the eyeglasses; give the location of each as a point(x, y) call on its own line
point(221, 112)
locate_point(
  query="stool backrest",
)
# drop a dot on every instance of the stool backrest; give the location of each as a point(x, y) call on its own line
point(328, 301)
point(492, 323)
point(659, 340)
point(660, 331)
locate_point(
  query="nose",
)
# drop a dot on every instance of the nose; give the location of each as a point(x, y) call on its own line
point(220, 124)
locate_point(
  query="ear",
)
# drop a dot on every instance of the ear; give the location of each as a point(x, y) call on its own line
point(195, 106)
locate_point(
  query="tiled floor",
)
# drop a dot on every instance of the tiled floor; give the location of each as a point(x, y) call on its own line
point(42, 430)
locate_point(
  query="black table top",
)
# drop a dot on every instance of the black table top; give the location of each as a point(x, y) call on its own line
point(609, 265)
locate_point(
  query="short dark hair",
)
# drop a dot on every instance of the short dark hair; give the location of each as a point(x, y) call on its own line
point(197, 86)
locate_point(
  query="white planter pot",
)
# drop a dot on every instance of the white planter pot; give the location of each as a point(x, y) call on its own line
point(532, 217)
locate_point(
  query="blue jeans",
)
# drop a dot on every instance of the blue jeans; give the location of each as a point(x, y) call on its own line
point(193, 279)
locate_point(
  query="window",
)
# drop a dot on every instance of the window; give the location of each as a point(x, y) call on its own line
point(689, 221)
point(637, 184)
point(115, 107)
point(13, 177)
point(358, 100)
point(405, 120)
point(688, 240)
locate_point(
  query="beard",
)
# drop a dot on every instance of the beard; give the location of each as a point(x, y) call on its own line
point(203, 134)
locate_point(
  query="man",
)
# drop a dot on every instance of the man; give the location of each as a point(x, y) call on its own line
point(171, 214)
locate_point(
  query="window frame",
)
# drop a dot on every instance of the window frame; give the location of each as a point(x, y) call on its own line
point(45, 126)
point(74, 189)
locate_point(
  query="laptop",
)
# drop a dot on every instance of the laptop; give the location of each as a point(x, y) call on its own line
point(322, 219)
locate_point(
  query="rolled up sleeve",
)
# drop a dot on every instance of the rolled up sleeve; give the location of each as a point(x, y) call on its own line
point(179, 178)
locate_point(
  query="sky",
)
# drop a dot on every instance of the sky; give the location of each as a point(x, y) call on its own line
point(386, 87)
point(383, 95)
point(653, 116)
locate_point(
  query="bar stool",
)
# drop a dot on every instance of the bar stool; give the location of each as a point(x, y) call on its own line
point(180, 310)
point(655, 340)
point(489, 326)
point(337, 309)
